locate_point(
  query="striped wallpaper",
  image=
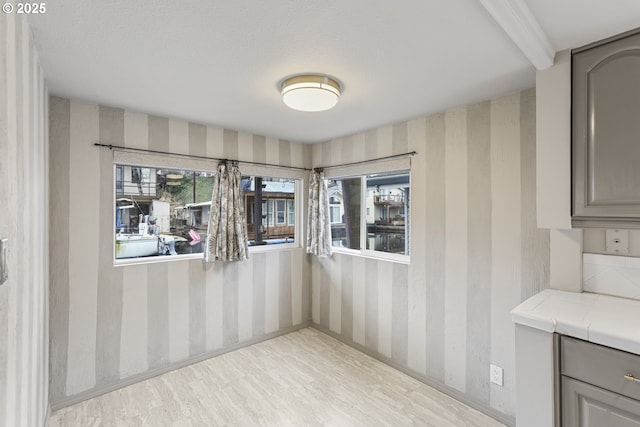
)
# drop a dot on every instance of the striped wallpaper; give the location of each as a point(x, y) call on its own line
point(475, 251)
point(24, 334)
point(444, 317)
point(114, 325)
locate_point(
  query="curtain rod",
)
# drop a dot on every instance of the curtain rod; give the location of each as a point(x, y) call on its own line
point(394, 156)
point(193, 156)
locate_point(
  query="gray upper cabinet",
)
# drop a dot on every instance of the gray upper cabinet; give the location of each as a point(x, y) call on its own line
point(606, 133)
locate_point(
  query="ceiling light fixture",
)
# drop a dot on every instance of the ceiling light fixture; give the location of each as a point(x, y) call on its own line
point(310, 92)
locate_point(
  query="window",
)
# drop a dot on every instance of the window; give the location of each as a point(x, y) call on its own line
point(370, 213)
point(335, 207)
point(345, 222)
point(269, 204)
point(291, 208)
point(334, 214)
point(163, 212)
point(273, 206)
point(119, 179)
point(160, 212)
point(281, 205)
point(387, 198)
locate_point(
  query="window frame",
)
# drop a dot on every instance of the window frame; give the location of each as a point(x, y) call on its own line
point(119, 179)
point(363, 251)
point(298, 206)
point(298, 233)
point(157, 161)
point(150, 259)
point(278, 211)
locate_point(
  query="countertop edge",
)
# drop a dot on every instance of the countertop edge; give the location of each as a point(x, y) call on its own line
point(601, 319)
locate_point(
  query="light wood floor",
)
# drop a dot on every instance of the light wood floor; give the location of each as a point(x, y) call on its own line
point(305, 378)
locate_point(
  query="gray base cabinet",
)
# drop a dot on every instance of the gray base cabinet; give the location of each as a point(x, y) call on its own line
point(587, 406)
point(595, 389)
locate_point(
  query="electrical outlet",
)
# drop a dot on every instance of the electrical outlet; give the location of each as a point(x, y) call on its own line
point(495, 375)
point(617, 242)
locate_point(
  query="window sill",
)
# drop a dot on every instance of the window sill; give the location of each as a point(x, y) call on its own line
point(270, 248)
point(186, 257)
point(155, 259)
point(380, 256)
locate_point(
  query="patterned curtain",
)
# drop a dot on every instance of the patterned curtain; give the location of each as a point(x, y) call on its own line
point(227, 233)
point(318, 227)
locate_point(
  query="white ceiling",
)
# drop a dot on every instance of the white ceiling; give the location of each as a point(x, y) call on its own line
point(220, 62)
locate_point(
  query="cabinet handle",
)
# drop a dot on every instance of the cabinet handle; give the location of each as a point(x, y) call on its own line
point(630, 377)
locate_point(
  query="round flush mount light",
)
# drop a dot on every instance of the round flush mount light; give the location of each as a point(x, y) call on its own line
point(310, 92)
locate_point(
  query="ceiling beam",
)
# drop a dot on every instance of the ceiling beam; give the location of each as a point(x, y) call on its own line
point(521, 26)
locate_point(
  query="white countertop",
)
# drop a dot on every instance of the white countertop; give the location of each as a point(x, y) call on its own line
point(601, 319)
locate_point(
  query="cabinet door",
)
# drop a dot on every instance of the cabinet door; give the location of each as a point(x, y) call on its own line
point(584, 405)
point(606, 133)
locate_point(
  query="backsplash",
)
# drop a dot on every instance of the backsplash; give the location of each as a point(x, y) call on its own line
point(611, 274)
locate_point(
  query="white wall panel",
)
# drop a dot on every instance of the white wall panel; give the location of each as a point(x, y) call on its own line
point(272, 294)
point(214, 307)
point(417, 292)
point(245, 300)
point(134, 338)
point(297, 267)
point(506, 241)
point(335, 294)
point(359, 300)
point(83, 284)
point(178, 273)
point(385, 298)
point(455, 310)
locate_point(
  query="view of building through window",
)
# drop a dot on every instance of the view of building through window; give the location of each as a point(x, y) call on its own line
point(345, 212)
point(270, 202)
point(160, 212)
point(385, 212)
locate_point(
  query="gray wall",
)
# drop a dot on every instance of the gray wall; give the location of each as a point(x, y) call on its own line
point(114, 325)
point(24, 221)
point(475, 250)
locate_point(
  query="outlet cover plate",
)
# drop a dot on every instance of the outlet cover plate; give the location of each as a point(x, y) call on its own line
point(495, 375)
point(617, 242)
